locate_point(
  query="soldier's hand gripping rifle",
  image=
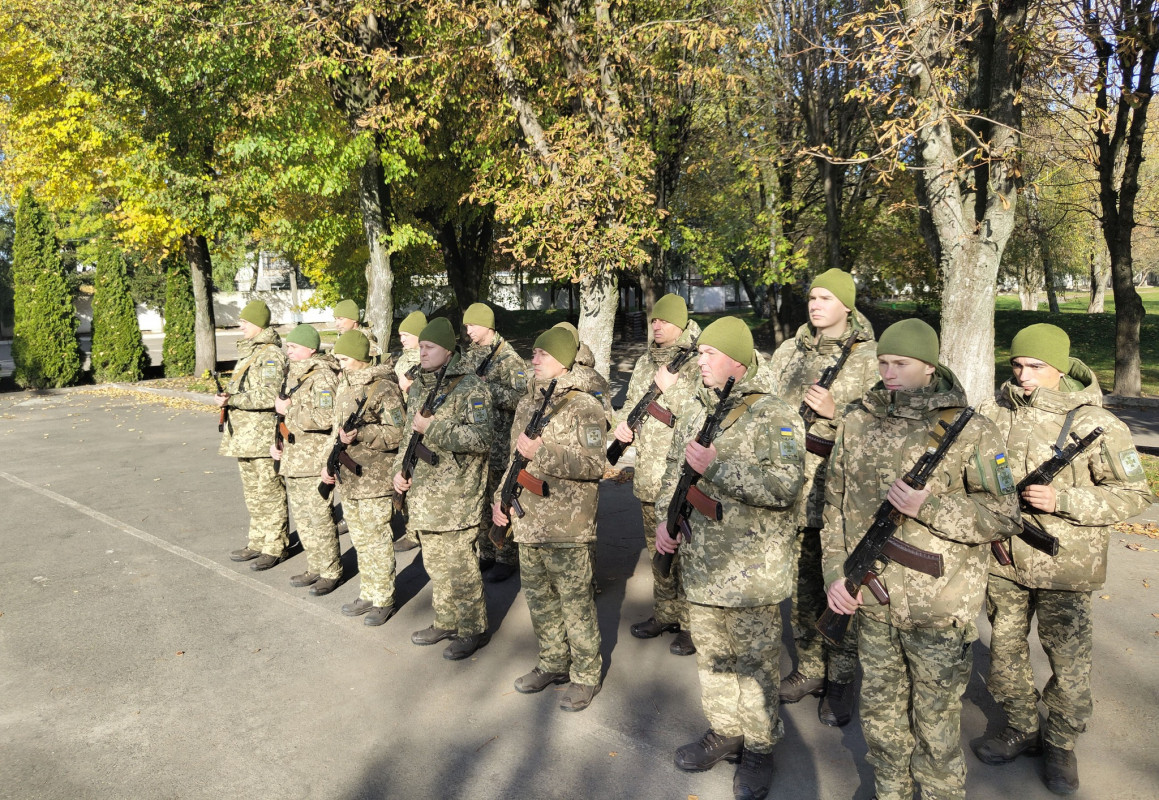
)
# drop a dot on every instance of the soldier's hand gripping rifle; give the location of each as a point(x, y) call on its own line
point(223, 414)
point(879, 546)
point(648, 405)
point(415, 449)
point(338, 457)
point(517, 477)
point(688, 496)
point(815, 444)
point(1032, 533)
point(485, 364)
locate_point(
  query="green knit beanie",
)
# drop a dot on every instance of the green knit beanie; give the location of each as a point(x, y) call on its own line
point(347, 309)
point(559, 343)
point(479, 314)
point(413, 324)
point(732, 337)
point(353, 344)
point(567, 326)
point(257, 312)
point(1044, 342)
point(439, 331)
point(910, 338)
point(840, 283)
point(306, 336)
point(671, 308)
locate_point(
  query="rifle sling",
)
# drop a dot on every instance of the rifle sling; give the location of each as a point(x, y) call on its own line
point(1066, 423)
point(739, 410)
point(818, 446)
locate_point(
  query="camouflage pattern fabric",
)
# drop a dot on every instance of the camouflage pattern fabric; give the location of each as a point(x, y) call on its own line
point(310, 417)
point(506, 379)
point(570, 461)
point(817, 658)
point(487, 548)
point(450, 496)
point(376, 354)
point(265, 499)
point(911, 708)
point(405, 361)
point(598, 386)
point(369, 522)
point(256, 381)
point(654, 438)
point(379, 434)
point(737, 656)
point(879, 439)
point(315, 526)
point(745, 559)
point(557, 581)
point(456, 585)
point(669, 605)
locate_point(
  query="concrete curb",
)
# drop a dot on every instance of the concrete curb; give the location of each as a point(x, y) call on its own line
point(1122, 401)
point(197, 397)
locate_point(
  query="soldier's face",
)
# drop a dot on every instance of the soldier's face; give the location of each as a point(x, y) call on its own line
point(825, 310)
point(546, 366)
point(342, 325)
point(664, 333)
point(349, 364)
point(1031, 374)
point(903, 373)
point(408, 340)
point(248, 329)
point(716, 368)
point(432, 356)
point(479, 334)
point(297, 352)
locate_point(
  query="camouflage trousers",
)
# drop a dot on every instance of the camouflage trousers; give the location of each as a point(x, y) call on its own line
point(738, 653)
point(456, 585)
point(557, 582)
point(911, 708)
point(817, 658)
point(265, 499)
point(487, 550)
point(315, 523)
point(1067, 635)
point(369, 523)
point(668, 602)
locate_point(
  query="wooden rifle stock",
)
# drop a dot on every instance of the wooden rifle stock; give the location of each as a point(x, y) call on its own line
point(517, 477)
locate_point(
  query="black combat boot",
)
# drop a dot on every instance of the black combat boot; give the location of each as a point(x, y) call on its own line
point(305, 579)
point(267, 561)
point(359, 606)
point(245, 554)
point(379, 615)
point(465, 646)
point(650, 628)
point(537, 680)
point(1062, 770)
point(753, 776)
point(836, 707)
point(797, 686)
point(579, 696)
point(324, 586)
point(431, 635)
point(1007, 746)
point(709, 751)
point(682, 645)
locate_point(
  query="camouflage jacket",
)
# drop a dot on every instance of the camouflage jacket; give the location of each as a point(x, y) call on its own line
point(1104, 485)
point(570, 462)
point(506, 379)
point(654, 438)
point(795, 366)
point(405, 361)
point(747, 558)
point(375, 350)
point(879, 440)
point(379, 433)
point(584, 369)
point(312, 385)
point(256, 381)
point(450, 496)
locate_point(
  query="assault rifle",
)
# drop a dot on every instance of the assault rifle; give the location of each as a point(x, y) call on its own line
point(485, 364)
point(338, 456)
point(648, 405)
point(518, 478)
point(879, 546)
point(282, 433)
point(222, 415)
point(688, 496)
point(415, 449)
point(1032, 533)
point(815, 444)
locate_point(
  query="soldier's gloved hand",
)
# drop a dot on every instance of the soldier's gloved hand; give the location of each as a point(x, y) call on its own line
point(665, 543)
point(906, 499)
point(664, 379)
point(326, 476)
point(497, 515)
point(401, 484)
point(1044, 498)
point(348, 437)
point(623, 433)
point(282, 406)
point(528, 447)
point(840, 601)
point(821, 401)
point(698, 456)
point(275, 452)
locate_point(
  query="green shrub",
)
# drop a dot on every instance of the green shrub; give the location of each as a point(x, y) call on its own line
point(178, 353)
point(118, 353)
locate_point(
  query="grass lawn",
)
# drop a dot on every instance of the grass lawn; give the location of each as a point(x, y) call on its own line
point(1151, 467)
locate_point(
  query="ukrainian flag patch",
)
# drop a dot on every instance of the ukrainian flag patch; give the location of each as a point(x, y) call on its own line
point(788, 446)
point(1002, 473)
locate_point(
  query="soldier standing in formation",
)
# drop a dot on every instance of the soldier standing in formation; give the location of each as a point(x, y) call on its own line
point(736, 571)
point(583, 367)
point(309, 416)
point(249, 397)
point(373, 443)
point(915, 651)
point(346, 318)
point(1050, 397)
point(555, 533)
point(796, 367)
point(672, 331)
point(405, 367)
point(446, 500)
point(505, 375)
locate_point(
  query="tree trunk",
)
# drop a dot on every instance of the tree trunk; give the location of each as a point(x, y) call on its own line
point(1128, 322)
point(204, 329)
point(374, 199)
point(1027, 297)
point(1099, 275)
point(1048, 280)
point(598, 303)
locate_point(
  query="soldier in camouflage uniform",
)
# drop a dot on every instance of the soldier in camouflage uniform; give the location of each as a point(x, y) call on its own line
point(738, 570)
point(373, 445)
point(308, 410)
point(505, 375)
point(554, 534)
point(346, 318)
point(406, 368)
point(672, 333)
point(249, 398)
point(446, 501)
point(796, 367)
point(915, 651)
point(1050, 396)
point(584, 368)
